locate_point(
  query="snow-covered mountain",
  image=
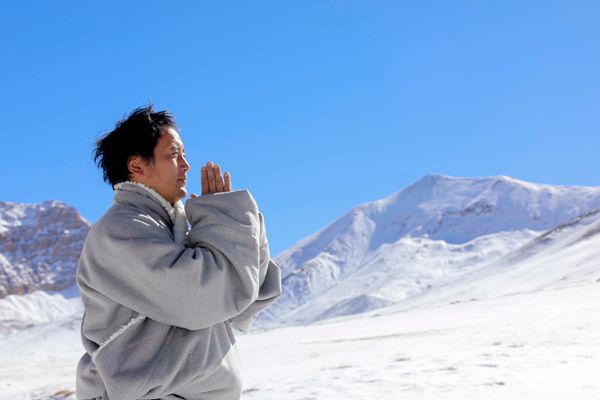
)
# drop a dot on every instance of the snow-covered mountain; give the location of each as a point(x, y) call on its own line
point(566, 256)
point(39, 246)
point(436, 229)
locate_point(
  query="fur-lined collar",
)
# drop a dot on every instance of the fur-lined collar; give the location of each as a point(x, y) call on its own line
point(176, 211)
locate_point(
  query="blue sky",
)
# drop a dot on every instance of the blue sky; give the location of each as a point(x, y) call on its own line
point(314, 106)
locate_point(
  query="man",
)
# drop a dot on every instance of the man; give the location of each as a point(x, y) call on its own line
point(160, 302)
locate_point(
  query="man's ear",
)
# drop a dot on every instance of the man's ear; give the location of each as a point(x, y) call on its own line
point(136, 166)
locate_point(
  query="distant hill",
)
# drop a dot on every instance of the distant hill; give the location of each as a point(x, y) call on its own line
point(39, 246)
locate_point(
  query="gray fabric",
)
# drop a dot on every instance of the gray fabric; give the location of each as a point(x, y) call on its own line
point(159, 315)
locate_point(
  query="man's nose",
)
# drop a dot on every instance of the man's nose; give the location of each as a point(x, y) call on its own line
point(186, 166)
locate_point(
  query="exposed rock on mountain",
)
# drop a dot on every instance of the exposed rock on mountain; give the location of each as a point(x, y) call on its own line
point(39, 246)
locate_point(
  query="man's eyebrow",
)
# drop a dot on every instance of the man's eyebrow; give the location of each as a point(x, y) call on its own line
point(176, 147)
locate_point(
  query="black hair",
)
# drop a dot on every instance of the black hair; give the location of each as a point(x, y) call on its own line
point(136, 135)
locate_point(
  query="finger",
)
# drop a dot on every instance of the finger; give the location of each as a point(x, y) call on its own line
point(227, 182)
point(212, 186)
point(193, 196)
point(218, 178)
point(204, 178)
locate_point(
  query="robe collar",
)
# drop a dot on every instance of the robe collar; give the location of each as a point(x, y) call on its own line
point(176, 212)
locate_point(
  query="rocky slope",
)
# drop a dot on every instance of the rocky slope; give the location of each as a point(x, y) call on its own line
point(39, 246)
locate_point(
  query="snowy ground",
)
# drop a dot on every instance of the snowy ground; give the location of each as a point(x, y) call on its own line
point(538, 345)
point(542, 344)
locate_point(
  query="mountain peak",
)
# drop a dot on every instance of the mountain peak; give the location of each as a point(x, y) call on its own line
point(39, 246)
point(53, 203)
point(436, 178)
point(433, 178)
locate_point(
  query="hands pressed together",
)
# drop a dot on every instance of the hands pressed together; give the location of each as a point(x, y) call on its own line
point(212, 181)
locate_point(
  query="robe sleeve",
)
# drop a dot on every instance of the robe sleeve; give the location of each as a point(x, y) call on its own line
point(132, 258)
point(270, 284)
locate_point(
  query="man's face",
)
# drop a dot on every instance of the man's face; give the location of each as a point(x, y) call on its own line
point(167, 174)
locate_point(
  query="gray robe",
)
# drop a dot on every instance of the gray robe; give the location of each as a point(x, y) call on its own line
point(160, 305)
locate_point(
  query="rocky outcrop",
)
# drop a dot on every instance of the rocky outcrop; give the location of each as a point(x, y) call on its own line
point(39, 246)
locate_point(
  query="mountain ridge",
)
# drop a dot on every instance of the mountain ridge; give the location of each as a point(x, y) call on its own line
point(435, 209)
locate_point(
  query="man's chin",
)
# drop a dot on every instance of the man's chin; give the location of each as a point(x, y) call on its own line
point(182, 194)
